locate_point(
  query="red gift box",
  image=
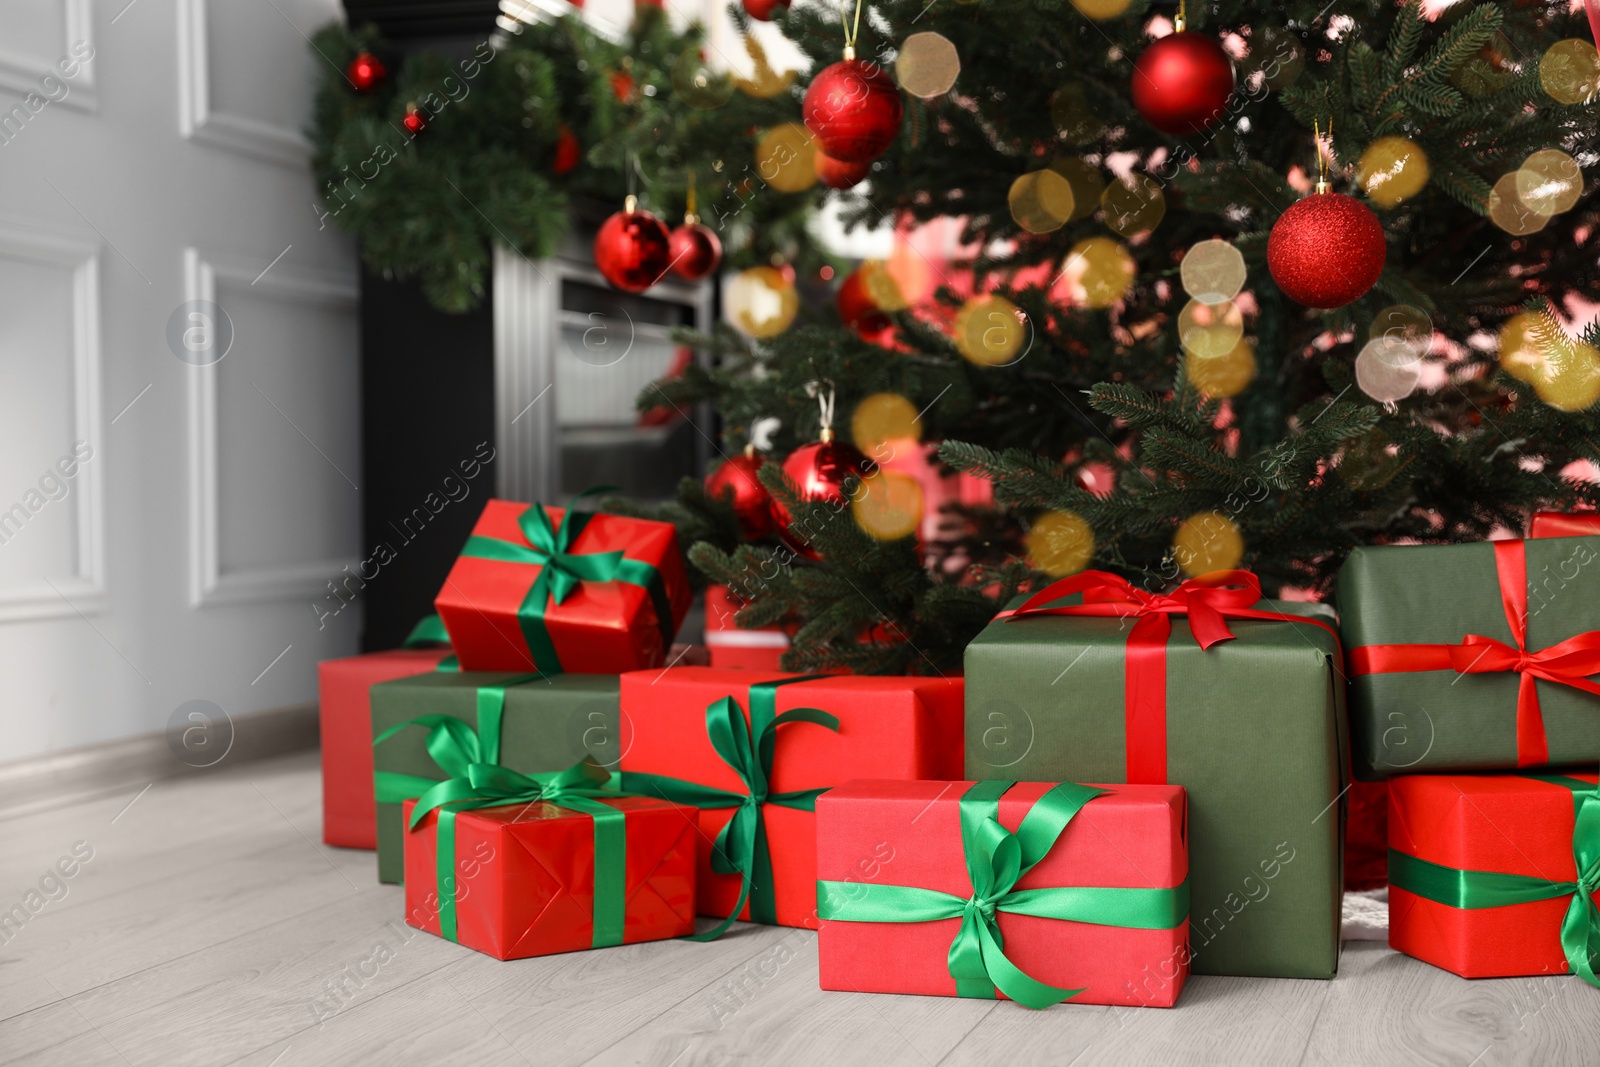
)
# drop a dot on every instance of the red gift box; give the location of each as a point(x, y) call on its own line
point(349, 810)
point(1564, 524)
point(525, 876)
point(1445, 829)
point(549, 589)
point(751, 650)
point(875, 838)
point(674, 720)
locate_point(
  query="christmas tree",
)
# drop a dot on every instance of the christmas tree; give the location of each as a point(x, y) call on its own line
point(1148, 228)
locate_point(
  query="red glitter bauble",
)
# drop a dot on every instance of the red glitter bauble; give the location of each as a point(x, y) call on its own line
point(632, 250)
point(859, 311)
point(1181, 83)
point(765, 10)
point(569, 153)
point(365, 72)
point(819, 470)
point(415, 121)
point(853, 109)
point(1326, 250)
point(695, 251)
point(752, 504)
point(837, 174)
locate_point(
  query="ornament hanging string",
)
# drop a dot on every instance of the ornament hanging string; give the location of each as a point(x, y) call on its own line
point(851, 31)
point(1180, 19)
point(825, 403)
point(1322, 154)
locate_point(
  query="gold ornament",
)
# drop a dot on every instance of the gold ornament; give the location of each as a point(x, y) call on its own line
point(1061, 543)
point(1212, 271)
point(1393, 169)
point(1276, 53)
point(1101, 10)
point(1098, 271)
point(1041, 201)
point(1570, 71)
point(761, 302)
point(1133, 204)
point(1571, 380)
point(882, 287)
point(1074, 119)
point(1210, 330)
point(884, 417)
point(1222, 376)
point(1406, 324)
point(1086, 183)
point(1521, 355)
point(1208, 541)
point(764, 83)
point(927, 64)
point(989, 330)
point(786, 158)
point(888, 505)
point(1549, 182)
point(1388, 369)
point(1510, 212)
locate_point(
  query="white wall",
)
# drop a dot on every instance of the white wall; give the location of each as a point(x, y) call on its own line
point(183, 558)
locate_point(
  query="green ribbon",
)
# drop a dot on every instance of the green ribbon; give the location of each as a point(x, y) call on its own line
point(561, 571)
point(578, 788)
point(1580, 927)
point(996, 860)
point(748, 747)
point(430, 631)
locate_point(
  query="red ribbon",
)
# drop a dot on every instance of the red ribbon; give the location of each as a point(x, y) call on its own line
point(1208, 601)
point(1569, 663)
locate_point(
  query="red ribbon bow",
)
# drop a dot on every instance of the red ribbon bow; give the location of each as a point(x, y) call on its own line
point(1568, 663)
point(1208, 601)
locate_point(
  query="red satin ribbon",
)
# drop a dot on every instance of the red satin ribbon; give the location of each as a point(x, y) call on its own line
point(1208, 602)
point(1569, 663)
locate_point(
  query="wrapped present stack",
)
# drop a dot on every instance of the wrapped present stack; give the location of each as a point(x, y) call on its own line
point(1125, 787)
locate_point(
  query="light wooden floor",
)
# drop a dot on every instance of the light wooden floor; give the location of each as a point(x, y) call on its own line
point(211, 927)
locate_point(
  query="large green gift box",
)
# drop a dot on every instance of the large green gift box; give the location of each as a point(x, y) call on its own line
point(1237, 699)
point(1473, 657)
point(527, 722)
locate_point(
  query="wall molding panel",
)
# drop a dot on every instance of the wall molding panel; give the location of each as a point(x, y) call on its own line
point(21, 73)
point(199, 121)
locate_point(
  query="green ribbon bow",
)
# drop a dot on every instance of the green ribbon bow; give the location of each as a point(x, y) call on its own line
point(578, 788)
point(1580, 928)
point(561, 571)
point(749, 748)
point(430, 631)
point(996, 860)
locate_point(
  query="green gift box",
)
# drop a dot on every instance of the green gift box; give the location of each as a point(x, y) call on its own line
point(526, 722)
point(1239, 700)
point(1473, 657)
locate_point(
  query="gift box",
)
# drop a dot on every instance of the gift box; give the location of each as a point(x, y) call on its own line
point(430, 727)
point(753, 749)
point(345, 719)
point(1237, 699)
point(552, 589)
point(1564, 524)
point(1496, 875)
point(1082, 891)
point(1474, 656)
point(518, 866)
point(753, 650)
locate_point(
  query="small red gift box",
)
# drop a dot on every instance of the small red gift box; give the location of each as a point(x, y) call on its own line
point(551, 589)
point(349, 811)
point(899, 862)
point(1564, 524)
point(1484, 872)
point(527, 877)
point(751, 650)
point(714, 738)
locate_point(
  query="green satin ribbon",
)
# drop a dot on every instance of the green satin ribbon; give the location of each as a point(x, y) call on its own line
point(578, 788)
point(561, 571)
point(1580, 927)
point(748, 747)
point(430, 631)
point(996, 860)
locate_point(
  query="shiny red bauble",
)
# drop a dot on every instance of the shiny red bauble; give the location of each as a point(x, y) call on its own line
point(837, 174)
point(1181, 84)
point(632, 250)
point(752, 504)
point(415, 121)
point(569, 153)
point(1327, 250)
point(853, 109)
point(365, 72)
point(819, 470)
point(695, 251)
point(765, 10)
point(859, 311)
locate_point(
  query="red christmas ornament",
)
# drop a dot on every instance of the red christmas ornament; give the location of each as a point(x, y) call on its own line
point(695, 249)
point(632, 249)
point(765, 10)
point(819, 470)
point(569, 153)
point(1181, 83)
point(837, 174)
point(1327, 250)
point(859, 311)
point(622, 86)
point(853, 109)
point(415, 121)
point(752, 504)
point(365, 72)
